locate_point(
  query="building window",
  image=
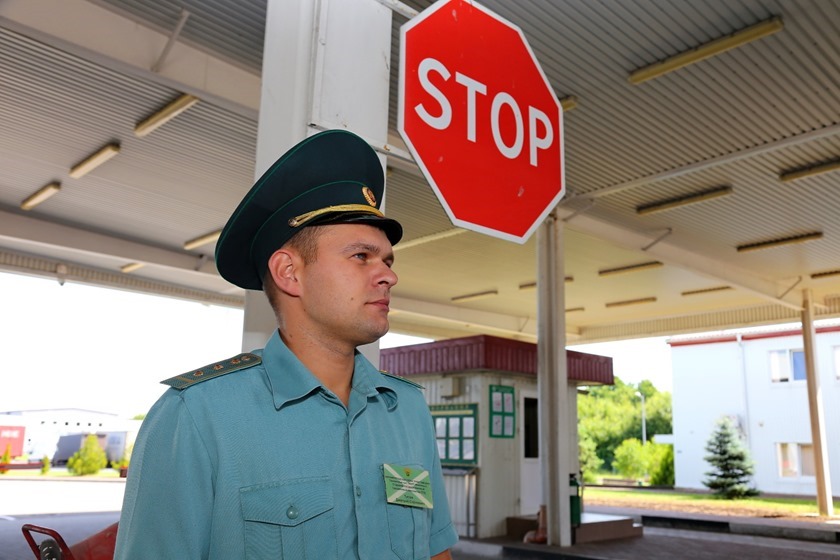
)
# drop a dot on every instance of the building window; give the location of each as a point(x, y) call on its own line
point(456, 433)
point(796, 460)
point(787, 365)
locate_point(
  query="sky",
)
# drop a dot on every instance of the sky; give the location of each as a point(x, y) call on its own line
point(80, 346)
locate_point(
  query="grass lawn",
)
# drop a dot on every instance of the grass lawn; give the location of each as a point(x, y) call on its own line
point(758, 506)
point(57, 472)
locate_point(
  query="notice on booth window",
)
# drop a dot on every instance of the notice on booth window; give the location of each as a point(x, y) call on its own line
point(502, 411)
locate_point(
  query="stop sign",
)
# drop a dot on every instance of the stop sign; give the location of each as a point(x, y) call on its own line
point(480, 119)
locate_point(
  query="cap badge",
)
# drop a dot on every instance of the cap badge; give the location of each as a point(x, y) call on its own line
point(369, 196)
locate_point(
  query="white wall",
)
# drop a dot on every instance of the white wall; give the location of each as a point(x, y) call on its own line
point(709, 381)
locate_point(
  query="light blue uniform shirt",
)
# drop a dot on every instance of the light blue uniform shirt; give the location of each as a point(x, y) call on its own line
point(266, 463)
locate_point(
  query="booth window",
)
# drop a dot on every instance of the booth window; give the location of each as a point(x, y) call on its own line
point(456, 433)
point(796, 459)
point(787, 365)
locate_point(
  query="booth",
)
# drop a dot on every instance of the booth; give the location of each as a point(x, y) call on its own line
point(482, 392)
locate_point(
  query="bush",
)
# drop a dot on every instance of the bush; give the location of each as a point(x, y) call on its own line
point(90, 459)
point(632, 458)
point(6, 459)
point(45, 465)
point(663, 470)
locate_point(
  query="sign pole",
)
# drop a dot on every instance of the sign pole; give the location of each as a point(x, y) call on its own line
point(552, 381)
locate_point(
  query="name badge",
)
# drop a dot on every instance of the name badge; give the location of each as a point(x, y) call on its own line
point(407, 487)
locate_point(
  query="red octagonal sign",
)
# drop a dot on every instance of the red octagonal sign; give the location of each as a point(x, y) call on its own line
point(481, 119)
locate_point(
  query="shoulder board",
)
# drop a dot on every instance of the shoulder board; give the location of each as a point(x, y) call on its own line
point(242, 361)
point(403, 379)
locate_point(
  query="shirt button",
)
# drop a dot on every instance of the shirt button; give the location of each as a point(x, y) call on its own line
point(292, 512)
point(358, 490)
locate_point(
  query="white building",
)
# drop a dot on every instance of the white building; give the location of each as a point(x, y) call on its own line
point(757, 379)
point(43, 428)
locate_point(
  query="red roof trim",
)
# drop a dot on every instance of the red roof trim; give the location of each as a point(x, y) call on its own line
point(751, 336)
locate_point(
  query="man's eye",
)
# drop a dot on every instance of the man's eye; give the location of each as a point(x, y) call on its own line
point(360, 256)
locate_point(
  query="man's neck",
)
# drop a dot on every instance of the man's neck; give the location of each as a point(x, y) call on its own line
point(332, 366)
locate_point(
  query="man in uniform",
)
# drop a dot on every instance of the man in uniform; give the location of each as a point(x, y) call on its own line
point(302, 449)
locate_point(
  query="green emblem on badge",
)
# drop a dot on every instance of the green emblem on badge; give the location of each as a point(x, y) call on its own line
point(407, 487)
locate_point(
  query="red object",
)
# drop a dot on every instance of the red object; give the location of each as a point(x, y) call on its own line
point(481, 119)
point(13, 437)
point(96, 547)
point(489, 354)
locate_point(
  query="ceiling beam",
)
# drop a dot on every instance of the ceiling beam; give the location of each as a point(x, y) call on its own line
point(27, 230)
point(104, 37)
point(662, 249)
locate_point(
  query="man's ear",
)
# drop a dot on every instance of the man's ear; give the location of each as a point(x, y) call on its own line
point(283, 266)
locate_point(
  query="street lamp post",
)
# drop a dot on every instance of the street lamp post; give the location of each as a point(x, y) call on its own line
point(644, 419)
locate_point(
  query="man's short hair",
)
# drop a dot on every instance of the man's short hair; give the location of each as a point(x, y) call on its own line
point(304, 243)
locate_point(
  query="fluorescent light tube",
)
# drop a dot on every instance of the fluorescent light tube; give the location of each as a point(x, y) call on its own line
point(630, 268)
point(40, 196)
point(706, 50)
point(131, 267)
point(769, 244)
point(794, 174)
point(477, 295)
point(685, 200)
point(94, 160)
point(164, 115)
point(630, 302)
point(202, 240)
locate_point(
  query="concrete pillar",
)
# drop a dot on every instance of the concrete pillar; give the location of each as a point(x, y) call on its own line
point(815, 408)
point(554, 402)
point(326, 64)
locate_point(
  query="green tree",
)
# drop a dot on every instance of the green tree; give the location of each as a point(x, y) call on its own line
point(733, 467)
point(632, 459)
point(45, 465)
point(610, 414)
point(90, 459)
point(589, 460)
point(663, 466)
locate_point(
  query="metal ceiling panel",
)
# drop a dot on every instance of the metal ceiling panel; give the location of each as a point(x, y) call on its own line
point(737, 119)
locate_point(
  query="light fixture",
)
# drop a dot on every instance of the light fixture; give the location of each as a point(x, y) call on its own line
point(684, 200)
point(706, 50)
point(477, 295)
point(94, 160)
point(630, 302)
point(705, 290)
point(569, 102)
point(40, 196)
point(575, 309)
point(769, 244)
point(825, 274)
point(802, 172)
point(164, 115)
point(205, 239)
point(131, 267)
point(630, 268)
point(532, 285)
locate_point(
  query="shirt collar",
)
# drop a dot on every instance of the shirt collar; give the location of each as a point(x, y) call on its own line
point(290, 380)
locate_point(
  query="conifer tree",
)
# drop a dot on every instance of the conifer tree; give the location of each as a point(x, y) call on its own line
point(731, 461)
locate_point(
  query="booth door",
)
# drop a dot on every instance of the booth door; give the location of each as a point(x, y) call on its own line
point(530, 474)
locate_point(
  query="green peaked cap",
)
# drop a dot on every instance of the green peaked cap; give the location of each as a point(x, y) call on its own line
point(333, 177)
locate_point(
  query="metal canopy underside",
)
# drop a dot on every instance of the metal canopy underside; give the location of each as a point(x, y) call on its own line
point(736, 120)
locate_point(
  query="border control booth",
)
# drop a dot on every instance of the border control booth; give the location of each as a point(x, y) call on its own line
point(482, 392)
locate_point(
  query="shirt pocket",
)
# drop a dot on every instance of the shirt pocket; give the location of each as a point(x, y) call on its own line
point(289, 519)
point(408, 527)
